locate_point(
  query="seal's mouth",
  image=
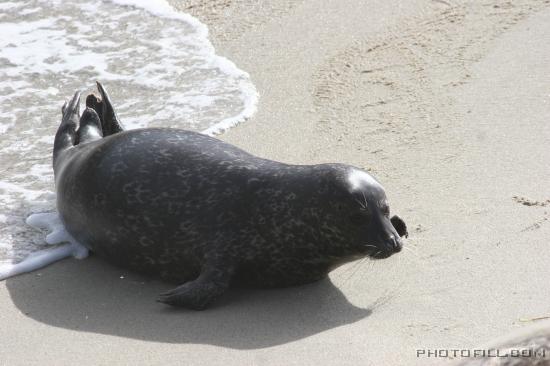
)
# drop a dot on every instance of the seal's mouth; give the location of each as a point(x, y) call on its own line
point(381, 255)
point(389, 242)
point(387, 248)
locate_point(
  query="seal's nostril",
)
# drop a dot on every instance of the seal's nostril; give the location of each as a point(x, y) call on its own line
point(395, 244)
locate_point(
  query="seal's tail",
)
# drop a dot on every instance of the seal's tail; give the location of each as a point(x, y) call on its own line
point(104, 108)
point(99, 120)
point(90, 127)
point(65, 137)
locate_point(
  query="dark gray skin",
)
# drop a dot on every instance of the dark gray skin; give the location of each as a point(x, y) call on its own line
point(205, 214)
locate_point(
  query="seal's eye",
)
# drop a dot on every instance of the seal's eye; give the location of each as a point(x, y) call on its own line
point(385, 210)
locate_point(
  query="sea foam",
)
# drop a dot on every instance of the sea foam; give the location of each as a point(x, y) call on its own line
point(160, 69)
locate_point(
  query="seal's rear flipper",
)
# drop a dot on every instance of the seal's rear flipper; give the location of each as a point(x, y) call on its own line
point(200, 293)
point(399, 226)
point(104, 108)
point(94, 102)
point(65, 137)
point(90, 127)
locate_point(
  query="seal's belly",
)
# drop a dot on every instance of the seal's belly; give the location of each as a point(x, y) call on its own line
point(136, 246)
point(132, 226)
point(280, 272)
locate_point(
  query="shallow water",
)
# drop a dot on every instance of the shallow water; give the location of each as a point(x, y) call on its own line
point(157, 64)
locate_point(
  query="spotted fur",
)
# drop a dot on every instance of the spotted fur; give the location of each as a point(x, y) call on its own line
point(195, 210)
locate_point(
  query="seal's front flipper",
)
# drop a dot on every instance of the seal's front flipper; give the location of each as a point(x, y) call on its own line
point(399, 226)
point(200, 293)
point(104, 108)
point(90, 127)
point(66, 133)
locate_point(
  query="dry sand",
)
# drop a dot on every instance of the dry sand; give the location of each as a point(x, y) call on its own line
point(446, 102)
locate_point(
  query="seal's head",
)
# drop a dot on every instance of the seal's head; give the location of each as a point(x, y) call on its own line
point(365, 214)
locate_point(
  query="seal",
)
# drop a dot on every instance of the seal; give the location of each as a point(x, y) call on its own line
point(203, 213)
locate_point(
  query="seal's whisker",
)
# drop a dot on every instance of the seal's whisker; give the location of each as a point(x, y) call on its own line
point(372, 242)
point(369, 264)
point(361, 261)
point(353, 268)
point(348, 269)
point(410, 250)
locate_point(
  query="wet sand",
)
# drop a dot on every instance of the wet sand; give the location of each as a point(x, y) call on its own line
point(446, 102)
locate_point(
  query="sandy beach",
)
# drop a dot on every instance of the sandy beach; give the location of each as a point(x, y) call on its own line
point(447, 103)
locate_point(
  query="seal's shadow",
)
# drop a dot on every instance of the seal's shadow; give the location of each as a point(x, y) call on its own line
point(91, 296)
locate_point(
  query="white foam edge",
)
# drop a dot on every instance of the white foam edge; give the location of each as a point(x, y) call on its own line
point(162, 8)
point(35, 261)
point(250, 97)
point(249, 94)
point(45, 257)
